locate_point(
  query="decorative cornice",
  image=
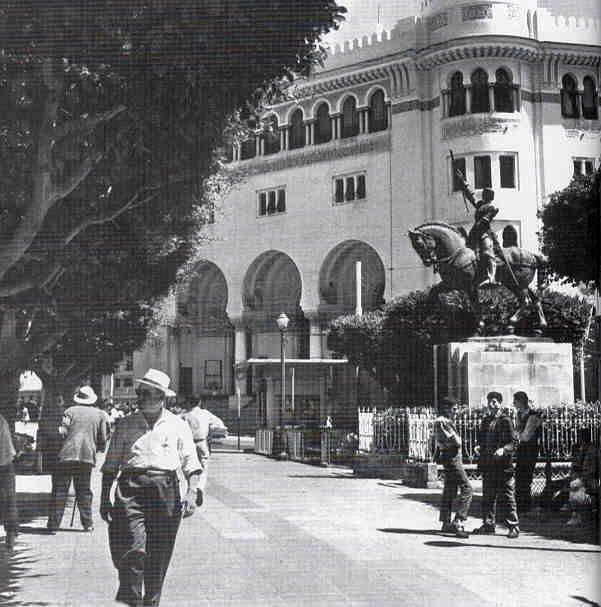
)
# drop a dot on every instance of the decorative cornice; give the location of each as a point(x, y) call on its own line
point(540, 96)
point(415, 104)
point(430, 60)
point(340, 148)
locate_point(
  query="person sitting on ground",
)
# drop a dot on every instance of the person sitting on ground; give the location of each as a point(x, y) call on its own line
point(583, 494)
point(448, 446)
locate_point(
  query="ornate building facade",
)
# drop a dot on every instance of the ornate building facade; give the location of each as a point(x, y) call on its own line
point(356, 157)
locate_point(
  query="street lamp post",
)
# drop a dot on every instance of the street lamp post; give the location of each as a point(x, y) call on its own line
point(282, 322)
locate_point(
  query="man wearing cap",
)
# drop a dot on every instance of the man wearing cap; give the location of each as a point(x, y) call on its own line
point(8, 495)
point(146, 451)
point(201, 421)
point(497, 443)
point(86, 430)
point(448, 445)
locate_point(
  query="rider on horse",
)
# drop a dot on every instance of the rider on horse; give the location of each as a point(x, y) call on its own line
point(481, 238)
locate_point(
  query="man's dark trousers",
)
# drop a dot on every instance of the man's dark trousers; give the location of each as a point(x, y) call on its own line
point(145, 520)
point(8, 498)
point(455, 479)
point(61, 480)
point(498, 495)
point(524, 472)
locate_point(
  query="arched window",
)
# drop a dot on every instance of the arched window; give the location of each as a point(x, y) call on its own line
point(297, 130)
point(248, 149)
point(590, 102)
point(503, 92)
point(457, 95)
point(378, 113)
point(271, 137)
point(480, 98)
point(350, 118)
point(323, 124)
point(569, 98)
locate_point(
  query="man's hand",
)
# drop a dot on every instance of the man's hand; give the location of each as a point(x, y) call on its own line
point(500, 452)
point(477, 450)
point(189, 503)
point(106, 507)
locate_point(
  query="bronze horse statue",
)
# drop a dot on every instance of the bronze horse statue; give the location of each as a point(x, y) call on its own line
point(444, 248)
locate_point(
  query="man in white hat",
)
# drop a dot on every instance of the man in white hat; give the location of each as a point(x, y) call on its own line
point(86, 430)
point(146, 451)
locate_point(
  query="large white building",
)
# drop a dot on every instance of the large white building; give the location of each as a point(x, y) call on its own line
point(360, 155)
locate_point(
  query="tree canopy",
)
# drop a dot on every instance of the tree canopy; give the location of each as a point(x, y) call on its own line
point(570, 232)
point(111, 114)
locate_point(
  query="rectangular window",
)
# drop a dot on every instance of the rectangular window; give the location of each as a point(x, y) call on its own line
point(339, 192)
point(129, 362)
point(349, 188)
point(213, 375)
point(117, 382)
point(185, 381)
point(128, 382)
point(458, 165)
point(583, 166)
point(482, 173)
point(361, 193)
point(271, 202)
point(507, 169)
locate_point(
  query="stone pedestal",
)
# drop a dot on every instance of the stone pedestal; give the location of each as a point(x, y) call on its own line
point(469, 369)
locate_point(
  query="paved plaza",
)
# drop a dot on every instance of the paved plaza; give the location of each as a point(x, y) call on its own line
point(281, 533)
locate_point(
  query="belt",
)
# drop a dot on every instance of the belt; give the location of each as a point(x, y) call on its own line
point(201, 440)
point(148, 472)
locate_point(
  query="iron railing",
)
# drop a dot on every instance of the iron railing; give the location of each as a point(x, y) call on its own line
point(409, 433)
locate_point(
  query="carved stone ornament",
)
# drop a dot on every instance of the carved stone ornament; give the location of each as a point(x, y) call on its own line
point(477, 11)
point(438, 21)
point(478, 125)
point(514, 12)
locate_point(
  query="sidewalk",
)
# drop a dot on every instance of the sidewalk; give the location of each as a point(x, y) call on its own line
point(281, 533)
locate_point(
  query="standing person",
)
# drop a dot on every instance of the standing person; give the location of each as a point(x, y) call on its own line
point(86, 430)
point(497, 442)
point(8, 495)
point(146, 451)
point(201, 421)
point(528, 424)
point(49, 439)
point(448, 444)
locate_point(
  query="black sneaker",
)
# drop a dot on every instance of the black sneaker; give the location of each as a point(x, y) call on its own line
point(447, 528)
point(484, 530)
point(460, 532)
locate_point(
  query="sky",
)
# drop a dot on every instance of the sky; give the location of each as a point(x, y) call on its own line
point(362, 17)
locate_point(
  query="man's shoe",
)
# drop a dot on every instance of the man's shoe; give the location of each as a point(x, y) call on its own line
point(199, 497)
point(460, 532)
point(88, 528)
point(447, 528)
point(513, 533)
point(484, 530)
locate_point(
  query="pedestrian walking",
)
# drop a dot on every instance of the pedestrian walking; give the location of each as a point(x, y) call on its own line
point(86, 430)
point(497, 442)
point(448, 448)
point(146, 451)
point(201, 422)
point(49, 439)
point(528, 425)
point(8, 495)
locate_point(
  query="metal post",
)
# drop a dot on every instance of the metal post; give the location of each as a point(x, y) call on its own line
point(238, 399)
point(283, 368)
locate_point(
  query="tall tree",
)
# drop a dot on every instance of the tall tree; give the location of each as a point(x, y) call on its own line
point(110, 116)
point(570, 232)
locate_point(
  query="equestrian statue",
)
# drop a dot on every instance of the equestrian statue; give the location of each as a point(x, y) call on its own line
point(468, 262)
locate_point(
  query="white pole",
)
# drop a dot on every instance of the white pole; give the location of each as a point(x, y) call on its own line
point(358, 303)
point(292, 390)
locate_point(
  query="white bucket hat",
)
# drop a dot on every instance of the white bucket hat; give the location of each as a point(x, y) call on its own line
point(85, 395)
point(157, 379)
